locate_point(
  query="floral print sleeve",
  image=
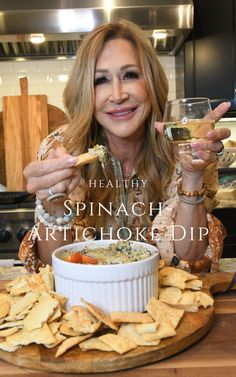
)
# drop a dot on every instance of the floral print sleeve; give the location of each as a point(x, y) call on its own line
point(164, 222)
point(28, 252)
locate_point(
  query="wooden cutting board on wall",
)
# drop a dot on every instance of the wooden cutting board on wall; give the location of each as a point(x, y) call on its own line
point(56, 118)
point(25, 124)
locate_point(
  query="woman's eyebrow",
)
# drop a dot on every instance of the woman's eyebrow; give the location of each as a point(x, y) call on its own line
point(122, 68)
point(101, 70)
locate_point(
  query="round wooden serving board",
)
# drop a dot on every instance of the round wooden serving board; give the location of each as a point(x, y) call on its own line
point(192, 327)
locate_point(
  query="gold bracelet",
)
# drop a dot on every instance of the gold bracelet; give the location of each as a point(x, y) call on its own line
point(189, 194)
point(199, 200)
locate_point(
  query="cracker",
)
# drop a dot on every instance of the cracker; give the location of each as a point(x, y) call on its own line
point(85, 158)
point(24, 302)
point(100, 315)
point(40, 313)
point(160, 311)
point(7, 332)
point(203, 299)
point(147, 327)
point(194, 284)
point(170, 295)
point(130, 317)
point(67, 330)
point(82, 321)
point(4, 309)
point(38, 336)
point(129, 331)
point(94, 344)
point(164, 330)
point(168, 271)
point(5, 346)
point(7, 325)
point(118, 343)
point(69, 343)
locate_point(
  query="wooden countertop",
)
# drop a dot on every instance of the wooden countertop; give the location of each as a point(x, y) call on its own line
point(213, 356)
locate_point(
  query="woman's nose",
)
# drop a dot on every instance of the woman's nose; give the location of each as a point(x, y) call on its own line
point(118, 92)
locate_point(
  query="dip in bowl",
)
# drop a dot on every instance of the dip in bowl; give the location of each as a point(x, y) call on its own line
point(122, 286)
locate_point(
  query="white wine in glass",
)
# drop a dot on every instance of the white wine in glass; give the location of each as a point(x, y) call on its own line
point(188, 120)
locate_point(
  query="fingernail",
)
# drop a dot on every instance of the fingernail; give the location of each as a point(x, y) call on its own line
point(71, 160)
point(197, 161)
point(195, 145)
point(198, 153)
point(210, 134)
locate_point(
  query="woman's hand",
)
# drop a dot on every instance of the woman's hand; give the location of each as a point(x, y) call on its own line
point(56, 172)
point(205, 152)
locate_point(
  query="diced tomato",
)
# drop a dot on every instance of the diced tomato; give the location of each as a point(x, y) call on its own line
point(86, 259)
point(74, 258)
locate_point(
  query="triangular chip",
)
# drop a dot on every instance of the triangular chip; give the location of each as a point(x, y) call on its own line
point(69, 343)
point(99, 314)
point(203, 299)
point(160, 311)
point(195, 285)
point(170, 295)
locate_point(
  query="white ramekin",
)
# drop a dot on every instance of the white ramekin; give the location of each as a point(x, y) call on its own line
point(117, 287)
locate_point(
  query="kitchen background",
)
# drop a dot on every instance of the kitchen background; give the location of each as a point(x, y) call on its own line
point(49, 77)
point(198, 56)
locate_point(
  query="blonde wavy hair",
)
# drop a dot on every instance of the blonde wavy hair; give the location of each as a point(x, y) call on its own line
point(156, 159)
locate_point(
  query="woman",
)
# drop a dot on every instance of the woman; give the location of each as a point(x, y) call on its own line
point(116, 92)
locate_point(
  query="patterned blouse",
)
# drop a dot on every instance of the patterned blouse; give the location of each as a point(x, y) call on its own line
point(128, 223)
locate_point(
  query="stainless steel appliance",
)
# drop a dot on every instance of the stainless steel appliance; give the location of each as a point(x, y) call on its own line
point(15, 220)
point(65, 23)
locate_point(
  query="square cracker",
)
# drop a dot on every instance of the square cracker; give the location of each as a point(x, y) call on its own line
point(118, 343)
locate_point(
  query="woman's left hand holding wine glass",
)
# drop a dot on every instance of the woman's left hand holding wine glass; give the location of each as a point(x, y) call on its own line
point(205, 152)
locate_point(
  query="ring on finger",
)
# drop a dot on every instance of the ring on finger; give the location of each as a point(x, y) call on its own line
point(54, 196)
point(221, 151)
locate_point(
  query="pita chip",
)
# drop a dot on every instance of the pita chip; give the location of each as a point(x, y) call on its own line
point(130, 317)
point(118, 343)
point(161, 311)
point(130, 331)
point(69, 343)
point(94, 344)
point(100, 315)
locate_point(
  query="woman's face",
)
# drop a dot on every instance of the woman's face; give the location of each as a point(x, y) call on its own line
point(122, 103)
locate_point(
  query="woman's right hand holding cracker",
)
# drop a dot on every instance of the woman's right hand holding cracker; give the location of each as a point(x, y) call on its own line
point(53, 175)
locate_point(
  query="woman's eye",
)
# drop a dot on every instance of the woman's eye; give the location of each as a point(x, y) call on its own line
point(100, 80)
point(131, 75)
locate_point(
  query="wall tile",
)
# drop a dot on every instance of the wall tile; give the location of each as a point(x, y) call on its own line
point(6, 67)
point(43, 77)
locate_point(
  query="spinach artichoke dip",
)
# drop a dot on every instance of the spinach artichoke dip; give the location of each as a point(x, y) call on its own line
point(115, 253)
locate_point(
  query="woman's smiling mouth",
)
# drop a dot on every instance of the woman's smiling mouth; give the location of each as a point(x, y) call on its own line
point(124, 113)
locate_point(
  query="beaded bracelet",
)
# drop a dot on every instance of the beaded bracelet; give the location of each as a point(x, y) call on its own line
point(189, 194)
point(58, 223)
point(195, 202)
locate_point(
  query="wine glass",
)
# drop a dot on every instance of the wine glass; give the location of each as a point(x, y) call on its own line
point(188, 120)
